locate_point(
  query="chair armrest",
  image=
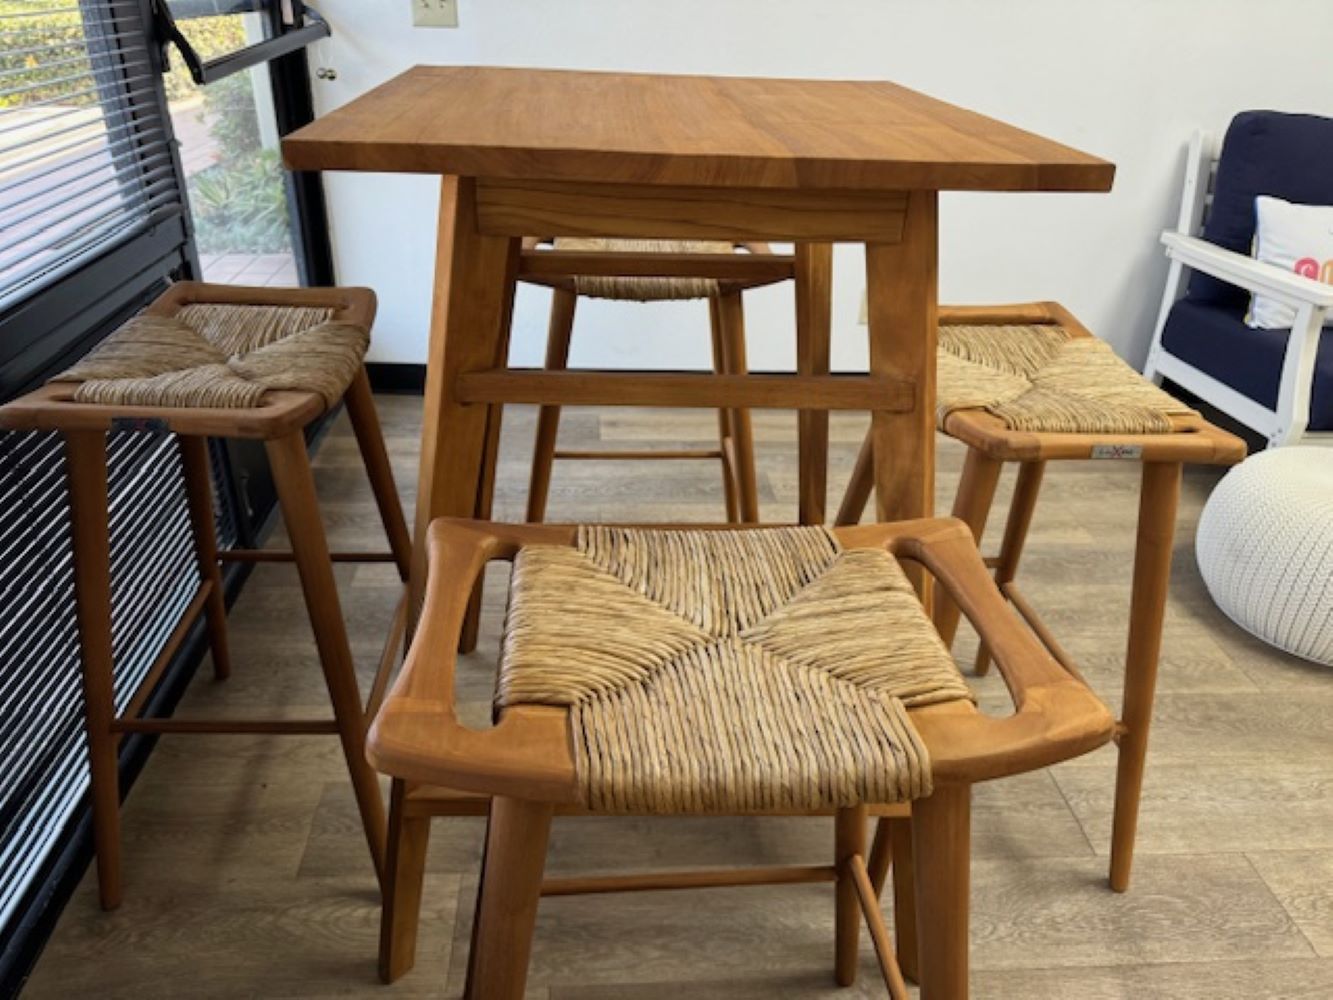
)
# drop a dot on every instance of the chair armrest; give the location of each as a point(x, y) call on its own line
point(1246, 272)
point(417, 735)
point(1056, 717)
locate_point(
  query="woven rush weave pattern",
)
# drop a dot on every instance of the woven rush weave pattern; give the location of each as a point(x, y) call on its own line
point(221, 355)
point(653, 289)
point(760, 670)
point(1043, 378)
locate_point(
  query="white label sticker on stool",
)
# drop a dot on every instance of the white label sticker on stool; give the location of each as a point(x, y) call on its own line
point(1124, 451)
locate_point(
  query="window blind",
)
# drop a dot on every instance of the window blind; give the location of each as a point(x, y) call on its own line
point(86, 160)
point(43, 760)
point(92, 221)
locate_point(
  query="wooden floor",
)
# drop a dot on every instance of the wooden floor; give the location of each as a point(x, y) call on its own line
point(246, 874)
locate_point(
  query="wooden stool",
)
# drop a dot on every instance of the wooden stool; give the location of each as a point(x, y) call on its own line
point(605, 269)
point(1030, 384)
point(632, 682)
point(216, 361)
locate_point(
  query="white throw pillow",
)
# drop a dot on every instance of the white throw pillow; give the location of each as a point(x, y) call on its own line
point(1295, 238)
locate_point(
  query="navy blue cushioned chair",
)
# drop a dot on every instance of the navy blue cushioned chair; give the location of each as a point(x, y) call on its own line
point(1278, 382)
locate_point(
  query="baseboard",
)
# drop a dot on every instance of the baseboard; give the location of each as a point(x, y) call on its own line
point(393, 377)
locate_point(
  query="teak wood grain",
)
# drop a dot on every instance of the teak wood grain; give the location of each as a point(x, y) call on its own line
point(526, 762)
point(991, 443)
point(720, 132)
point(648, 211)
point(528, 154)
point(279, 423)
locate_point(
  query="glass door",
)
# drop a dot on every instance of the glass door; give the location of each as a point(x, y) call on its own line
point(227, 127)
point(228, 137)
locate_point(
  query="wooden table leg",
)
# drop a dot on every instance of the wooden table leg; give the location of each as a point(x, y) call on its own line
point(474, 286)
point(85, 460)
point(1158, 500)
point(814, 322)
point(903, 309)
point(902, 298)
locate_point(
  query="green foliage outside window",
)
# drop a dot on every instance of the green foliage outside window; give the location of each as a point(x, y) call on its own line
point(239, 203)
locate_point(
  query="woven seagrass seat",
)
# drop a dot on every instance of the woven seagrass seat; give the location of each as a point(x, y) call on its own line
point(724, 672)
point(773, 671)
point(1030, 384)
point(1046, 377)
point(222, 355)
point(653, 270)
point(217, 361)
point(635, 288)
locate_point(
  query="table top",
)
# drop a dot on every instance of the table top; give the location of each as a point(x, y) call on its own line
point(683, 130)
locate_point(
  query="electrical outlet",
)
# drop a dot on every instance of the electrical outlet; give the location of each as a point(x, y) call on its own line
point(435, 13)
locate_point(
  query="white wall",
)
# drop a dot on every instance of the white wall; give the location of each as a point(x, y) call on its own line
point(1127, 80)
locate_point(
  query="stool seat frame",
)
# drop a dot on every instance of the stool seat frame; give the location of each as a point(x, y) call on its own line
point(990, 446)
point(524, 763)
point(279, 424)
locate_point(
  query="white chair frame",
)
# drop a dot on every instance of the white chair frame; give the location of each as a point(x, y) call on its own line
point(1312, 300)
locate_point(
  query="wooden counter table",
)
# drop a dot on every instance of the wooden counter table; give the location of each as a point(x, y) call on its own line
point(526, 153)
point(556, 153)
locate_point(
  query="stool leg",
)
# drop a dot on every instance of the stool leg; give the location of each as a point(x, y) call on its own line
point(490, 462)
point(199, 498)
point(814, 303)
point(561, 330)
point(365, 420)
point(405, 871)
point(859, 486)
point(300, 510)
point(904, 898)
point(849, 833)
point(1024, 502)
point(893, 843)
point(510, 890)
point(881, 854)
point(971, 504)
point(731, 314)
point(725, 432)
point(85, 460)
point(1158, 499)
point(941, 845)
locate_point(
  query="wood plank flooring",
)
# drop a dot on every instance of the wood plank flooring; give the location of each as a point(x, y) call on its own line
point(246, 873)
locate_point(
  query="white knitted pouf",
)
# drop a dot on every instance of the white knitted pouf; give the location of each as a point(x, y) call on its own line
point(1265, 549)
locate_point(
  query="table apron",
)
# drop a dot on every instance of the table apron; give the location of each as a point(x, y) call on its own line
point(643, 211)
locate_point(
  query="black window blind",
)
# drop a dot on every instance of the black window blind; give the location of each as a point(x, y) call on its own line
point(43, 763)
point(92, 223)
point(85, 155)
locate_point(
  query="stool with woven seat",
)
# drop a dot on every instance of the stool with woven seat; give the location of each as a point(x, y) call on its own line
point(227, 362)
point(604, 269)
point(726, 671)
point(1030, 384)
